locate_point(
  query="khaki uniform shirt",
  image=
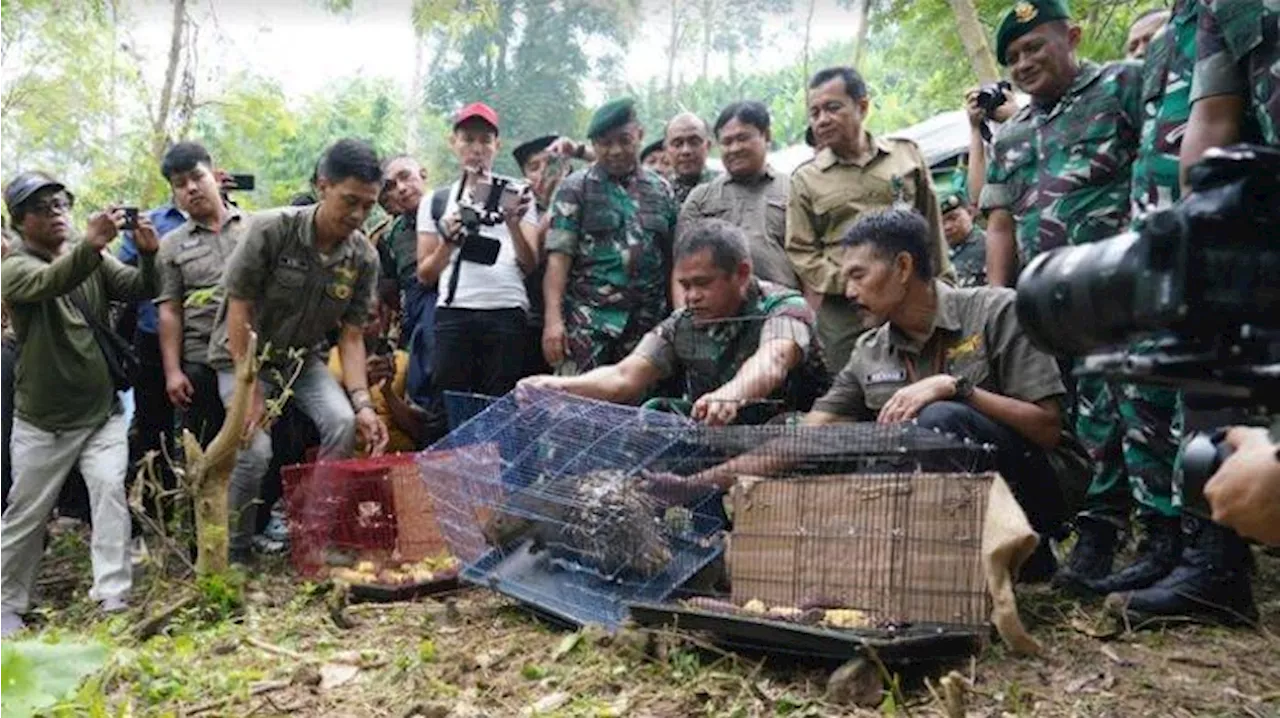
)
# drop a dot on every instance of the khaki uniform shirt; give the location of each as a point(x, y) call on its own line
point(828, 194)
point(298, 295)
point(975, 334)
point(757, 206)
point(190, 263)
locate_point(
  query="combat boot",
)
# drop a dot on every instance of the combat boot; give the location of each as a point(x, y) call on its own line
point(1211, 584)
point(1092, 556)
point(1158, 554)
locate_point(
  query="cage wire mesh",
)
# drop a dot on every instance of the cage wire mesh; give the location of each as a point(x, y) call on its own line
point(372, 513)
point(864, 527)
point(542, 497)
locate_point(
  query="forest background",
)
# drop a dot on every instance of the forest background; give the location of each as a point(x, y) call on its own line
point(88, 99)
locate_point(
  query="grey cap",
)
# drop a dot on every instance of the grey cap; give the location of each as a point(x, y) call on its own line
point(21, 188)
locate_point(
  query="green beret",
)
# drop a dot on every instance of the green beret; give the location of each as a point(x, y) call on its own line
point(655, 146)
point(1024, 17)
point(610, 116)
point(955, 199)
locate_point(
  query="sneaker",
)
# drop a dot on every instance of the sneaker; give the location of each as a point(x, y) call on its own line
point(117, 604)
point(10, 623)
point(276, 529)
point(265, 545)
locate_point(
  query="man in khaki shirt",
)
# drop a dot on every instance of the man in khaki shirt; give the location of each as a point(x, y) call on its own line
point(750, 195)
point(853, 173)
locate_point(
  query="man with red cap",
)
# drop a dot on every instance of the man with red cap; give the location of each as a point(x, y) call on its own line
point(477, 240)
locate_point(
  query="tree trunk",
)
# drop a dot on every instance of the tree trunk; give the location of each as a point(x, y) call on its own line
point(708, 13)
point(808, 34)
point(975, 41)
point(672, 49)
point(209, 471)
point(859, 9)
point(161, 119)
point(415, 96)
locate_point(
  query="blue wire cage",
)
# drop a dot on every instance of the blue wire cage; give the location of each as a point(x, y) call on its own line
point(513, 484)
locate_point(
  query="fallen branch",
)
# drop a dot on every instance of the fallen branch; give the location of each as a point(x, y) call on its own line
point(257, 690)
point(272, 648)
point(953, 689)
point(154, 624)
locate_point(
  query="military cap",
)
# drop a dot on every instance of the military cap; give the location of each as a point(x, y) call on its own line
point(523, 153)
point(655, 146)
point(21, 188)
point(1024, 17)
point(952, 199)
point(610, 116)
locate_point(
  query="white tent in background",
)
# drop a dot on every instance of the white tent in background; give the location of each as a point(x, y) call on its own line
point(942, 138)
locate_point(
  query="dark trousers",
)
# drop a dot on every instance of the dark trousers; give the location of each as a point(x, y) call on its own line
point(1024, 466)
point(479, 350)
point(205, 414)
point(417, 328)
point(152, 415)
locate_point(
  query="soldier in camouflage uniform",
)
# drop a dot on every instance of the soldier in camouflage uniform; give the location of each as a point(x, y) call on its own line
point(1147, 422)
point(608, 250)
point(745, 349)
point(1059, 175)
point(1234, 96)
point(966, 240)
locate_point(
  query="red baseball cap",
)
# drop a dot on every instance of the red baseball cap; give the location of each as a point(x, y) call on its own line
point(477, 109)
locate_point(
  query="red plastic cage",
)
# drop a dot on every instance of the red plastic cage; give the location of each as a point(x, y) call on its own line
point(359, 512)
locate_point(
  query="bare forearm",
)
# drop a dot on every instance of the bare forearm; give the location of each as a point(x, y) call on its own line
point(1214, 122)
point(977, 173)
point(170, 330)
point(433, 257)
point(1002, 254)
point(553, 285)
point(763, 373)
point(239, 325)
point(1035, 423)
point(354, 360)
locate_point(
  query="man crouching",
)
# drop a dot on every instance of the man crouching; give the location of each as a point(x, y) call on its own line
point(745, 348)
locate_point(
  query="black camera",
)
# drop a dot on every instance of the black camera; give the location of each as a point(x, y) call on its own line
point(989, 98)
point(1198, 284)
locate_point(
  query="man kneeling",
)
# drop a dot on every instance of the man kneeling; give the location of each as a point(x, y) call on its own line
point(745, 348)
point(955, 360)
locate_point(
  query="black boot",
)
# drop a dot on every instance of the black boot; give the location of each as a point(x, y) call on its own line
point(1158, 554)
point(1092, 556)
point(1211, 584)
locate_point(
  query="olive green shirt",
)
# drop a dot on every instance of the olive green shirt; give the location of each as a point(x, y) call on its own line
point(190, 264)
point(975, 334)
point(828, 194)
point(61, 379)
point(298, 295)
point(757, 206)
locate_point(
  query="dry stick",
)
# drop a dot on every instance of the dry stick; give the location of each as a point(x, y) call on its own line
point(260, 689)
point(953, 688)
point(272, 648)
point(151, 626)
point(896, 690)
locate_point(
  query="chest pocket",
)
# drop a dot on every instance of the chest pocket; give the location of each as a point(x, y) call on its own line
point(201, 266)
point(601, 222)
point(968, 358)
point(844, 204)
point(287, 281)
point(775, 220)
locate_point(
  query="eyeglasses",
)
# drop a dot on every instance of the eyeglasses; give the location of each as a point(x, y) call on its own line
point(51, 208)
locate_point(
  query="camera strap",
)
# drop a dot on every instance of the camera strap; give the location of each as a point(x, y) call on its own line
point(457, 258)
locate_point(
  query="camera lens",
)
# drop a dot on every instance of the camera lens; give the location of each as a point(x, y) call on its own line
point(1074, 300)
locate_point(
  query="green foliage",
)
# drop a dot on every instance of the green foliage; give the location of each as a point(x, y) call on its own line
point(37, 675)
point(221, 595)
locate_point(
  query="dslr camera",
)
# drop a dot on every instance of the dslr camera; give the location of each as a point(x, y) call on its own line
point(989, 98)
point(1198, 283)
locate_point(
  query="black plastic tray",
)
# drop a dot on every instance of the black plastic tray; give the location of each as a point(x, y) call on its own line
point(380, 592)
point(910, 644)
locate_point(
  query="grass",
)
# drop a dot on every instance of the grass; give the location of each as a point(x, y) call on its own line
point(271, 648)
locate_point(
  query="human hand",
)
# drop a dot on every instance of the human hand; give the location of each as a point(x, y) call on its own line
point(674, 489)
point(908, 401)
point(1245, 491)
point(714, 410)
point(179, 389)
point(103, 226)
point(554, 342)
point(379, 368)
point(145, 237)
point(372, 431)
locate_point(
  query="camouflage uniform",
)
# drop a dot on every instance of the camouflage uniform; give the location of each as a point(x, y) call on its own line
point(619, 236)
point(1064, 175)
point(708, 355)
point(1145, 421)
point(970, 259)
point(1238, 53)
point(682, 186)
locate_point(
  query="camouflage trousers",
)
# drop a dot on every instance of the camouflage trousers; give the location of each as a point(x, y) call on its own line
point(1132, 433)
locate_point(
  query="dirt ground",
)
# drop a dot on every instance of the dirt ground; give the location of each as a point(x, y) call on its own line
point(287, 652)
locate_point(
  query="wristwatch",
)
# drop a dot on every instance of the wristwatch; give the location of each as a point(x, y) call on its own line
point(964, 389)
